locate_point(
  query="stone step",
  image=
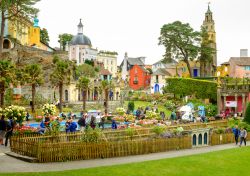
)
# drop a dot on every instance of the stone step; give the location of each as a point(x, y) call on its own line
point(21, 157)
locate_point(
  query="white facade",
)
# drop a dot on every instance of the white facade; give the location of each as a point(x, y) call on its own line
point(109, 61)
point(80, 53)
point(157, 83)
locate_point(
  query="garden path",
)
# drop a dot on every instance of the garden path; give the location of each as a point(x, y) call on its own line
point(9, 164)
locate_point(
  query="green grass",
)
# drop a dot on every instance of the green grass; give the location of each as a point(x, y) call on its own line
point(231, 162)
point(145, 103)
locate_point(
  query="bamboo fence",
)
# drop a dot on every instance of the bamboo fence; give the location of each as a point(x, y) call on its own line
point(116, 143)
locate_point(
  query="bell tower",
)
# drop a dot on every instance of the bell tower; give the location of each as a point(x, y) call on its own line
point(209, 25)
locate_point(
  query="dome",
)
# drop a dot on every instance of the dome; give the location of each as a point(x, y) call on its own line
point(80, 39)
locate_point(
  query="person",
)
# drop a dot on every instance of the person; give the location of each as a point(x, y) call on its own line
point(72, 126)
point(138, 113)
point(102, 122)
point(243, 136)
point(98, 119)
point(10, 127)
point(41, 129)
point(173, 115)
point(27, 116)
point(67, 124)
point(236, 133)
point(82, 122)
point(3, 127)
point(162, 115)
point(93, 122)
point(113, 125)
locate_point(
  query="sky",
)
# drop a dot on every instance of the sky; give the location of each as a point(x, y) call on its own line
point(133, 26)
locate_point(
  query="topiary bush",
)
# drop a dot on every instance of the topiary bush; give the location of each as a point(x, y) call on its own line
point(131, 106)
point(247, 114)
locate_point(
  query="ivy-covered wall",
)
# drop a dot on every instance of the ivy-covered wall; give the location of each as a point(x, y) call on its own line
point(186, 86)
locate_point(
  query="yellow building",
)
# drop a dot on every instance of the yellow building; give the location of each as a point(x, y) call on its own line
point(24, 32)
point(223, 70)
point(182, 69)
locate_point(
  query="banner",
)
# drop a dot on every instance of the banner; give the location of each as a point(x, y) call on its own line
point(231, 103)
point(17, 91)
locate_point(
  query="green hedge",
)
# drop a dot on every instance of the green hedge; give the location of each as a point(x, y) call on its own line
point(186, 86)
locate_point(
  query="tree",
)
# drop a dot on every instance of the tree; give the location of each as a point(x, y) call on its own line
point(7, 75)
point(247, 114)
point(83, 84)
point(11, 9)
point(64, 39)
point(180, 41)
point(206, 57)
point(33, 75)
point(44, 36)
point(85, 70)
point(61, 75)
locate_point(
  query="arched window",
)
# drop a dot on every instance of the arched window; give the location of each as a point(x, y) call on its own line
point(66, 95)
point(6, 44)
point(200, 139)
point(194, 140)
point(205, 138)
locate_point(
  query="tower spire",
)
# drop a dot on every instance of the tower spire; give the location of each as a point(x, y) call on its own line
point(208, 7)
point(80, 27)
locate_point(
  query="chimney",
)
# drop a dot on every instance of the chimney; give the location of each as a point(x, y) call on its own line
point(243, 52)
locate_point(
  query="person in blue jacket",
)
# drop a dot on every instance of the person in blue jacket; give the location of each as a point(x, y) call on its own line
point(42, 127)
point(72, 126)
point(113, 125)
point(236, 132)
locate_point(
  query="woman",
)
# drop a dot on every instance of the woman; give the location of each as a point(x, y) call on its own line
point(243, 136)
point(2, 129)
point(93, 122)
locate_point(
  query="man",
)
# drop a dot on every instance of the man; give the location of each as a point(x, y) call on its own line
point(243, 136)
point(10, 127)
point(82, 122)
point(236, 132)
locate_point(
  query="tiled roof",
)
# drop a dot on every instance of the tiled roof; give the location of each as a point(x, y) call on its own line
point(161, 71)
point(240, 60)
point(134, 61)
point(105, 72)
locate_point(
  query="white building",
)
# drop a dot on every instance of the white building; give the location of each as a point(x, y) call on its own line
point(160, 64)
point(109, 60)
point(158, 80)
point(80, 47)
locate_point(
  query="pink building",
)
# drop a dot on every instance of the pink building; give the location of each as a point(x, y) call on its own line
point(239, 67)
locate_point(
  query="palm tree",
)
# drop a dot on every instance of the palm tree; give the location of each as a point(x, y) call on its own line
point(83, 84)
point(7, 76)
point(33, 75)
point(61, 75)
point(105, 87)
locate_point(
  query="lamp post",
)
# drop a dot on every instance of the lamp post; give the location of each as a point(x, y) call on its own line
point(218, 92)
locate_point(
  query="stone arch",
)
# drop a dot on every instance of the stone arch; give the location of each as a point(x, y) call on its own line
point(200, 139)
point(205, 139)
point(194, 140)
point(6, 44)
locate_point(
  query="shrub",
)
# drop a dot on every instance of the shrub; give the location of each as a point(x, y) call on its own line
point(131, 106)
point(130, 132)
point(247, 114)
point(159, 130)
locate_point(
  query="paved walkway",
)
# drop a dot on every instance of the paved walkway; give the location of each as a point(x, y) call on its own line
point(9, 164)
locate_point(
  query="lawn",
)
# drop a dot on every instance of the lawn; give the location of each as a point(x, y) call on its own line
point(143, 104)
point(222, 163)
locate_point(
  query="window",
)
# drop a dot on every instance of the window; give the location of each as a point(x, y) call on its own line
point(135, 80)
point(247, 68)
point(205, 138)
point(200, 139)
point(194, 140)
point(156, 78)
point(135, 70)
point(111, 62)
